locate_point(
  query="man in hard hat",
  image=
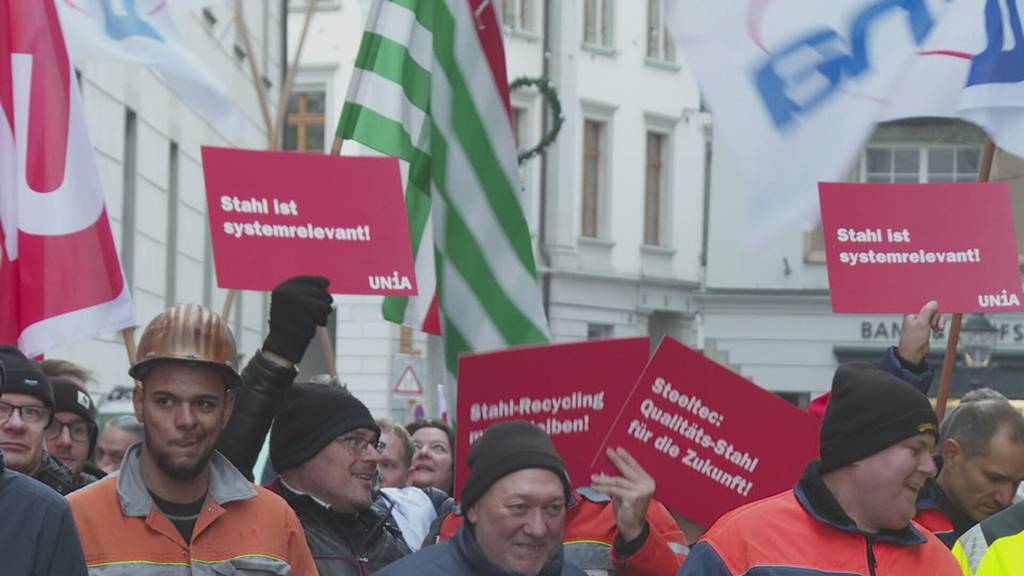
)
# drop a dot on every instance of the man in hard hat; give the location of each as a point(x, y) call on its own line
point(177, 502)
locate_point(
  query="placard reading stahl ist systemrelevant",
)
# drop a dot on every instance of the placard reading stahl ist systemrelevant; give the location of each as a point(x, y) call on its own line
point(892, 247)
point(274, 215)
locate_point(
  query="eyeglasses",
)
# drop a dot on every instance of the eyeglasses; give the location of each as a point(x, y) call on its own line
point(79, 430)
point(29, 414)
point(361, 444)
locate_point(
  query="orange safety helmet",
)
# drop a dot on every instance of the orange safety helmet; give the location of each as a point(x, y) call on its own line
point(188, 333)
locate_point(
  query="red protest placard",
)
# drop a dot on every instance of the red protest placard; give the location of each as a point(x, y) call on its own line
point(892, 247)
point(274, 215)
point(711, 439)
point(571, 390)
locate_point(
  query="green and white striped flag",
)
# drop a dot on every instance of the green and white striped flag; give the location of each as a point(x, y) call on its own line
point(430, 88)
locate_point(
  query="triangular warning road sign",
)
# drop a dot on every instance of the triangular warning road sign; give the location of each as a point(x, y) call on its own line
point(408, 383)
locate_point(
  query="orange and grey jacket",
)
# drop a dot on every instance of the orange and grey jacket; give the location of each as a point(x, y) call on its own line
point(242, 529)
point(591, 542)
point(804, 532)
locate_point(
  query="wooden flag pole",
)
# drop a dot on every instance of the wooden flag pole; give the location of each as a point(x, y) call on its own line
point(128, 335)
point(945, 382)
point(275, 126)
point(325, 344)
point(229, 303)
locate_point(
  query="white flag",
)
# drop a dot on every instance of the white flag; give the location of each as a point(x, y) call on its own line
point(797, 86)
point(144, 32)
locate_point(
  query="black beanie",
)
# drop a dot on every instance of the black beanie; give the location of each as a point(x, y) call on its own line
point(23, 376)
point(508, 447)
point(313, 416)
point(69, 397)
point(869, 411)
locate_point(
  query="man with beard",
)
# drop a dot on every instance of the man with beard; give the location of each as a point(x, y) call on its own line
point(178, 506)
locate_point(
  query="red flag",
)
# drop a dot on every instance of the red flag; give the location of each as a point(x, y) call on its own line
point(60, 278)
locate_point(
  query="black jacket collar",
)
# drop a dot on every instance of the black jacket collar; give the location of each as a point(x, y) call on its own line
point(818, 501)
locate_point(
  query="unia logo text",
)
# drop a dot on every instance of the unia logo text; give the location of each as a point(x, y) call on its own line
point(1001, 300)
point(393, 282)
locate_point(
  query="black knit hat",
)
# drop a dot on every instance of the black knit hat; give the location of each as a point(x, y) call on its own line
point(69, 397)
point(508, 447)
point(24, 376)
point(313, 416)
point(870, 410)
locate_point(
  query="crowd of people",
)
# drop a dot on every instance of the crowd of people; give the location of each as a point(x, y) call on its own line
point(169, 490)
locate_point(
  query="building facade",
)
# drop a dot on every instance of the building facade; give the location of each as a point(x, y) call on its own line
point(147, 143)
point(767, 312)
point(615, 204)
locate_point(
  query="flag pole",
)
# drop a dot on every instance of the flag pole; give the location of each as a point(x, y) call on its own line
point(229, 303)
point(128, 336)
point(945, 382)
point(274, 129)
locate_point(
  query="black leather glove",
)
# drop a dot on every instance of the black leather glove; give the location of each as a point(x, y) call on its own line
point(297, 306)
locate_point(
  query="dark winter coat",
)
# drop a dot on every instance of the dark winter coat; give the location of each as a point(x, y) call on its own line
point(37, 532)
point(462, 556)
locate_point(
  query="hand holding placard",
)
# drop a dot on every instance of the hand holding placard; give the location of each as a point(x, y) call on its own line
point(699, 429)
point(631, 493)
point(916, 332)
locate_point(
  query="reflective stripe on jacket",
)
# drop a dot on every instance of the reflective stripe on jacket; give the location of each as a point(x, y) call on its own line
point(995, 547)
point(242, 529)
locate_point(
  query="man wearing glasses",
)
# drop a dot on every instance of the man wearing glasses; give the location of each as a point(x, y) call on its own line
point(37, 533)
point(71, 435)
point(26, 410)
point(326, 446)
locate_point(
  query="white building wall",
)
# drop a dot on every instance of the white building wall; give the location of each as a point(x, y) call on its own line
point(615, 281)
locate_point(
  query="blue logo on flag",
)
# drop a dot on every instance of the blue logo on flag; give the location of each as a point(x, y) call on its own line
point(807, 72)
point(121, 26)
point(996, 64)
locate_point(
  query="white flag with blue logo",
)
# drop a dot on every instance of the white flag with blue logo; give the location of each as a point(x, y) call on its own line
point(797, 86)
point(142, 31)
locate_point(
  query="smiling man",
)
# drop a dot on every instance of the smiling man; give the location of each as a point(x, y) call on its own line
point(178, 506)
point(851, 511)
point(515, 501)
point(326, 446)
